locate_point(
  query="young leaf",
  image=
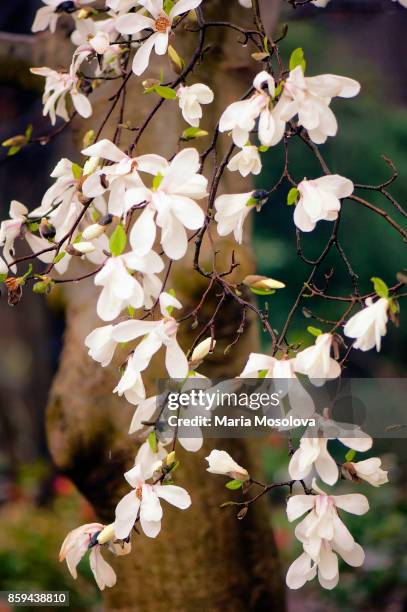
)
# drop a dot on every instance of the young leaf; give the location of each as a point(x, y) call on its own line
point(314, 331)
point(59, 257)
point(292, 196)
point(263, 149)
point(165, 92)
point(76, 171)
point(118, 241)
point(380, 287)
point(297, 59)
point(3, 278)
point(262, 291)
point(152, 440)
point(157, 181)
point(350, 455)
point(193, 132)
point(262, 373)
point(233, 485)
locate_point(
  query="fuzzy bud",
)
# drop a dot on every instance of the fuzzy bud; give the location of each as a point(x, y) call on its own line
point(201, 351)
point(93, 231)
point(255, 281)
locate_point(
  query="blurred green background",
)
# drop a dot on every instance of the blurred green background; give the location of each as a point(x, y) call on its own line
point(363, 39)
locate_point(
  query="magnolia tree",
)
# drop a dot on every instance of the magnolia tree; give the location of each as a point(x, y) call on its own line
point(130, 216)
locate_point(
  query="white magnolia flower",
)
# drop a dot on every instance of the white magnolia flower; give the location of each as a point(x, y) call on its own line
point(156, 334)
point(144, 503)
point(101, 344)
point(369, 470)
point(11, 229)
point(120, 287)
point(305, 568)
point(320, 200)
point(150, 461)
point(76, 545)
point(246, 3)
point(121, 6)
point(316, 361)
point(47, 16)
point(190, 100)
point(57, 86)
point(310, 97)
point(170, 204)
point(220, 462)
point(313, 450)
point(160, 23)
point(286, 382)
point(231, 213)
point(240, 117)
point(402, 2)
point(93, 37)
point(321, 532)
point(369, 325)
point(246, 161)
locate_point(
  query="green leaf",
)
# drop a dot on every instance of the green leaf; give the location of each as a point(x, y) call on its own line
point(78, 238)
point(394, 307)
point(157, 180)
point(297, 59)
point(380, 287)
point(350, 455)
point(165, 92)
point(266, 45)
point(76, 171)
point(131, 311)
point(233, 485)
point(263, 149)
point(3, 278)
point(314, 331)
point(193, 132)
point(262, 373)
point(33, 227)
point(279, 89)
point(59, 257)
point(152, 440)
point(262, 291)
point(174, 466)
point(168, 5)
point(28, 132)
point(292, 196)
point(118, 241)
point(42, 287)
point(13, 151)
point(251, 202)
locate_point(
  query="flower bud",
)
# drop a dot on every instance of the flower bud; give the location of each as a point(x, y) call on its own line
point(90, 166)
point(93, 231)
point(170, 458)
point(107, 534)
point(177, 62)
point(80, 248)
point(255, 281)
point(201, 351)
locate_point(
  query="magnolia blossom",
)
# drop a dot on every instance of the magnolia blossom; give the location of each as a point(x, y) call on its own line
point(122, 6)
point(316, 361)
point(220, 462)
point(118, 176)
point(144, 503)
point(320, 3)
point(93, 37)
point(101, 344)
point(231, 213)
point(11, 229)
point(121, 288)
point(369, 470)
point(286, 382)
point(369, 325)
point(240, 117)
point(246, 161)
point(246, 3)
point(155, 335)
point(160, 23)
point(57, 86)
point(170, 204)
point(190, 100)
point(322, 533)
point(76, 545)
point(320, 200)
point(313, 450)
point(310, 97)
point(47, 16)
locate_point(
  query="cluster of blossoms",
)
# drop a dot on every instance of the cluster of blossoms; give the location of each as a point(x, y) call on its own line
point(129, 214)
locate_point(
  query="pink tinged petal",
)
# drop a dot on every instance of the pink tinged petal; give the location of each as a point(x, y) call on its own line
point(360, 444)
point(187, 212)
point(151, 163)
point(342, 536)
point(126, 515)
point(81, 104)
point(192, 445)
point(177, 496)
point(175, 360)
point(130, 330)
point(328, 563)
point(256, 363)
point(184, 165)
point(150, 509)
point(150, 528)
point(326, 467)
point(297, 468)
point(302, 220)
point(109, 306)
point(106, 149)
point(133, 23)
point(144, 412)
point(182, 6)
point(298, 504)
point(42, 18)
point(143, 233)
point(300, 571)
point(339, 185)
point(102, 571)
point(354, 557)
point(174, 239)
point(142, 57)
point(266, 127)
point(92, 186)
point(353, 502)
point(328, 584)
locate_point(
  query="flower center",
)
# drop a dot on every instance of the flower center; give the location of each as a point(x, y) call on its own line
point(162, 24)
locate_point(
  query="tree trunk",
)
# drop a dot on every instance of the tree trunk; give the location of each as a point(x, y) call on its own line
point(204, 558)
